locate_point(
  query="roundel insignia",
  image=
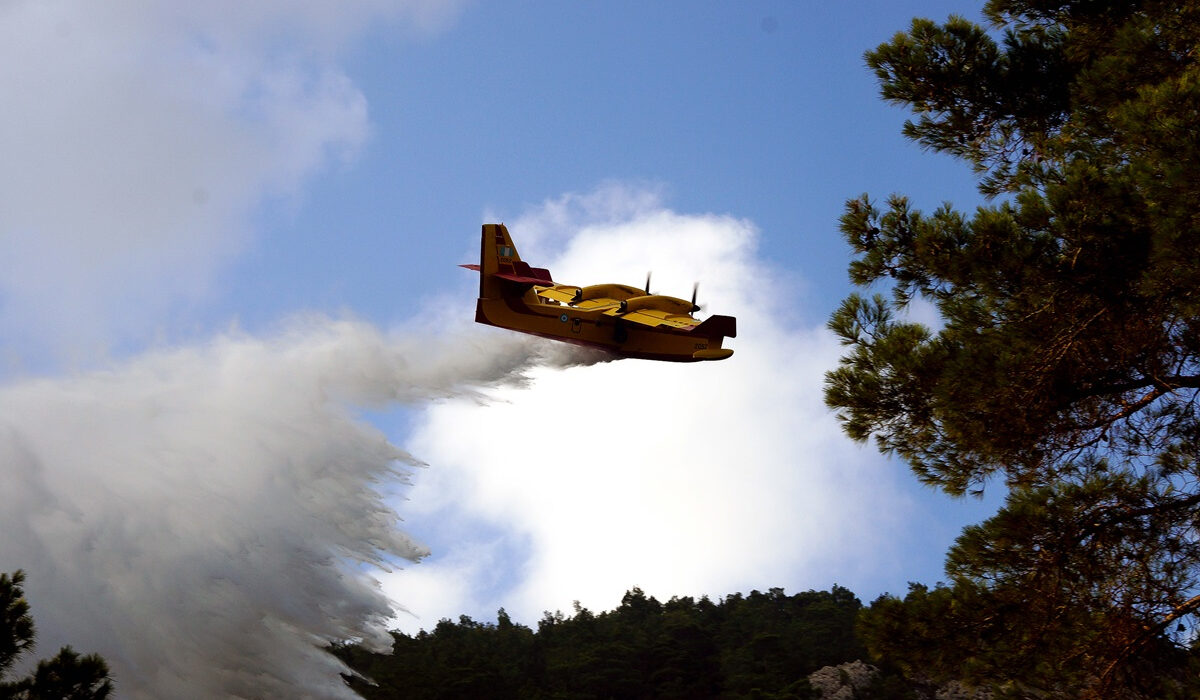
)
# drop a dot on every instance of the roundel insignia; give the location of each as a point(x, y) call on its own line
point(563, 318)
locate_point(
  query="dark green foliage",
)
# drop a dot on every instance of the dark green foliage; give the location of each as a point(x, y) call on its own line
point(759, 645)
point(67, 676)
point(1070, 309)
point(1020, 644)
point(464, 660)
point(17, 637)
point(1068, 362)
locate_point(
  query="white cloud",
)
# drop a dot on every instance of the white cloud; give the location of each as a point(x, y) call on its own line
point(138, 137)
point(681, 479)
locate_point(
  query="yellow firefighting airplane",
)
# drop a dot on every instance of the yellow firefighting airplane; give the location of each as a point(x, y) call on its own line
point(624, 320)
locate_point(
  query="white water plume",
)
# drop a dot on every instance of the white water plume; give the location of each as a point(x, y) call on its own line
point(208, 518)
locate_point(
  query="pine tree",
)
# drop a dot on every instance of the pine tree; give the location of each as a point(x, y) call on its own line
point(67, 676)
point(1068, 360)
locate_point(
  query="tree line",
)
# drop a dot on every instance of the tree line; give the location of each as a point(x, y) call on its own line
point(758, 645)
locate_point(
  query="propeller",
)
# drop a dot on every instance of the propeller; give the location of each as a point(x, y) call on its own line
point(695, 290)
point(647, 283)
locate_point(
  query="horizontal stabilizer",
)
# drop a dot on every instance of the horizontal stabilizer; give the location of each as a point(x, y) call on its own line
point(520, 280)
point(523, 279)
point(521, 273)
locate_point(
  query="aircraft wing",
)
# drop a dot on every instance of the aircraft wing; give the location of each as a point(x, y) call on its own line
point(567, 294)
point(594, 304)
point(656, 317)
point(611, 301)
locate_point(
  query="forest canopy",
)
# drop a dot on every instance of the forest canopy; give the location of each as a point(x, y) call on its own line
point(756, 645)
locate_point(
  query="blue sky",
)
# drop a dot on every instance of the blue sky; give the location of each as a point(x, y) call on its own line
point(230, 239)
point(512, 104)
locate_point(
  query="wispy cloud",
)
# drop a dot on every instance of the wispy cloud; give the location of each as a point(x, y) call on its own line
point(139, 137)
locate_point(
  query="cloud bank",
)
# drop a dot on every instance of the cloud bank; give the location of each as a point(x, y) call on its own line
point(681, 479)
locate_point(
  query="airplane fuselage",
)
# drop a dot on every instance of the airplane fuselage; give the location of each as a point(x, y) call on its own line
point(596, 329)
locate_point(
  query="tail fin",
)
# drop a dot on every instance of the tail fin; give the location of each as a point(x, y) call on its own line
point(499, 262)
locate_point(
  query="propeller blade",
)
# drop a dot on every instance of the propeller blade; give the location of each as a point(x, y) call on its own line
point(695, 291)
point(647, 283)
